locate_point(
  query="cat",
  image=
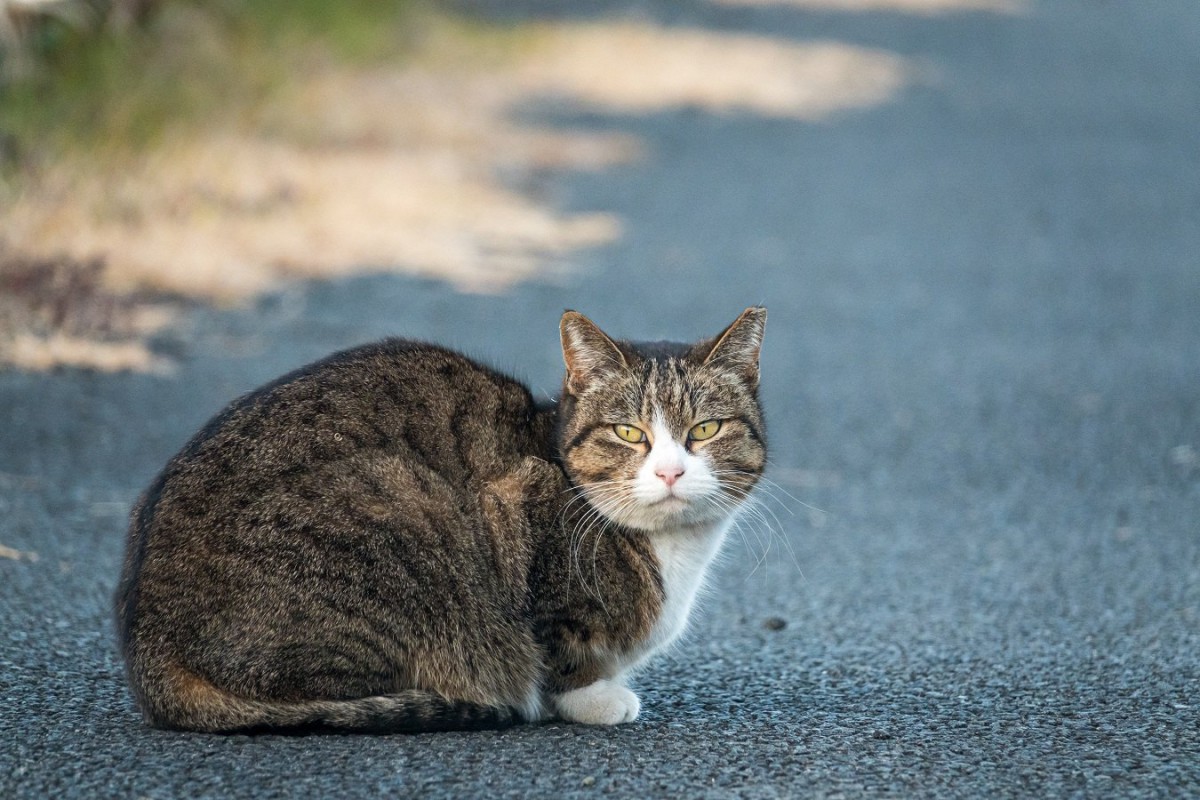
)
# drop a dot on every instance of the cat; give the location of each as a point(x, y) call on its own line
point(399, 539)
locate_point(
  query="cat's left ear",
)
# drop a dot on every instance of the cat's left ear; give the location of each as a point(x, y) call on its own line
point(588, 352)
point(738, 347)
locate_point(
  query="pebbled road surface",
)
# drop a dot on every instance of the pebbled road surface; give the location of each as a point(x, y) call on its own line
point(982, 374)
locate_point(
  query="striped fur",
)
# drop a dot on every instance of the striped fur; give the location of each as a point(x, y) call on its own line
point(400, 539)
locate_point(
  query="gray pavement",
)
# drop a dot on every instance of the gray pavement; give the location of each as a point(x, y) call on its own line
point(982, 376)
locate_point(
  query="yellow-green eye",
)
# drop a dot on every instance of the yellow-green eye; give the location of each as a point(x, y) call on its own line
point(705, 430)
point(630, 433)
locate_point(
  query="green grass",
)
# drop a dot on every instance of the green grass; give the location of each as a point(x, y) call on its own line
point(197, 62)
point(355, 30)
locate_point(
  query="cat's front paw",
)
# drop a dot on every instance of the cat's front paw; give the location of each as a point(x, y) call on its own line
point(601, 703)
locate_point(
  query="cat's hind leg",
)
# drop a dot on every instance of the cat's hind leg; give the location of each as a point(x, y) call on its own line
point(182, 700)
point(516, 507)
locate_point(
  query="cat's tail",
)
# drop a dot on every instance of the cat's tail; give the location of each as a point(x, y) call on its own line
point(188, 702)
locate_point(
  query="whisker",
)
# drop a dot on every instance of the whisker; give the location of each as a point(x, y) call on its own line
point(752, 503)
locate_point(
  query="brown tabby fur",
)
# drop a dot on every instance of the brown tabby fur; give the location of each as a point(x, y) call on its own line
point(390, 539)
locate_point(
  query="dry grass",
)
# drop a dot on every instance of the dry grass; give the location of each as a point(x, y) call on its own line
point(359, 168)
point(228, 217)
point(58, 312)
point(39, 353)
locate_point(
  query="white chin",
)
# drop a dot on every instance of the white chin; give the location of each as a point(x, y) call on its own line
point(666, 513)
point(671, 504)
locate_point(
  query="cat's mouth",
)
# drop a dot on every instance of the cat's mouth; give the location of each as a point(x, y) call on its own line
point(671, 502)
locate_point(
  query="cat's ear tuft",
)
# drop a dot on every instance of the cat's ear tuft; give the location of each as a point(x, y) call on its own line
point(588, 352)
point(738, 346)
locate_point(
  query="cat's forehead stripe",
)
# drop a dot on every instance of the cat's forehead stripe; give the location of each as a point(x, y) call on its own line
point(668, 393)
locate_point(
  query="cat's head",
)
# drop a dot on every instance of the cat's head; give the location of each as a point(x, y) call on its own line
point(662, 436)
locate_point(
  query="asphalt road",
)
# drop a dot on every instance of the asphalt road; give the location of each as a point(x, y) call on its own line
point(982, 375)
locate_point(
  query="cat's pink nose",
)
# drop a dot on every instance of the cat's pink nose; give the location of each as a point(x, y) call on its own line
point(669, 474)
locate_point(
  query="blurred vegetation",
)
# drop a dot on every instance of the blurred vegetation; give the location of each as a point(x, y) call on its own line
point(101, 77)
point(90, 87)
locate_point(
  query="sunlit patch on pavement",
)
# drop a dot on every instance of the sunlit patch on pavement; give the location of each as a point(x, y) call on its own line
point(641, 68)
point(924, 7)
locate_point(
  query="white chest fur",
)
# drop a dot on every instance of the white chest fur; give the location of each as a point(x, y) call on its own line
point(684, 558)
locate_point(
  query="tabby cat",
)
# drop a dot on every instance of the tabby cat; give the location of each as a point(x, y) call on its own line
point(397, 538)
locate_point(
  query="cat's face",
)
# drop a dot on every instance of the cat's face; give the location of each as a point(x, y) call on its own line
point(663, 436)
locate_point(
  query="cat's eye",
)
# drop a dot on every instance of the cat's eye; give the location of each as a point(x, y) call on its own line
point(630, 434)
point(705, 430)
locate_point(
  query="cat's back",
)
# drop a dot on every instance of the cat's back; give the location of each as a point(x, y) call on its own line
point(404, 421)
point(297, 547)
point(456, 415)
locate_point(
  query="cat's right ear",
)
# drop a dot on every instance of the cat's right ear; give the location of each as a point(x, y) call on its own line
point(588, 352)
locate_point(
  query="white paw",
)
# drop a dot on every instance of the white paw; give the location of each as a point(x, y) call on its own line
point(601, 703)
